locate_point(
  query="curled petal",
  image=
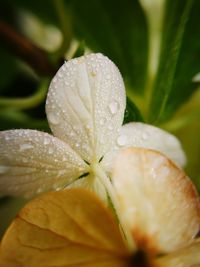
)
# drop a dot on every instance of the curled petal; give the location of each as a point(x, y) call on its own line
point(32, 162)
point(65, 228)
point(136, 134)
point(159, 202)
point(186, 257)
point(85, 105)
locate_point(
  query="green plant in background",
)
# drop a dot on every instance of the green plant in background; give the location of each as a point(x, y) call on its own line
point(155, 44)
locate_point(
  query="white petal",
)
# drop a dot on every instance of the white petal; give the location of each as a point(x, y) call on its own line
point(158, 201)
point(85, 105)
point(32, 162)
point(187, 257)
point(136, 134)
point(93, 184)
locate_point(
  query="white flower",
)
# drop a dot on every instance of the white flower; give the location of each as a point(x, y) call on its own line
point(85, 107)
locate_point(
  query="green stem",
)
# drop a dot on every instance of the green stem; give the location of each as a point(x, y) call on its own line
point(111, 191)
point(27, 102)
point(65, 27)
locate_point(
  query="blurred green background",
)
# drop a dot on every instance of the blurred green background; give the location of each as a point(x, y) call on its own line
point(155, 44)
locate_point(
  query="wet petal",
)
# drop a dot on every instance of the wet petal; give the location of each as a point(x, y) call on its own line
point(32, 162)
point(136, 134)
point(65, 228)
point(186, 257)
point(85, 105)
point(159, 202)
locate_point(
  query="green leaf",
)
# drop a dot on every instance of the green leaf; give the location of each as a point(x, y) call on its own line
point(119, 30)
point(176, 16)
point(132, 113)
point(188, 64)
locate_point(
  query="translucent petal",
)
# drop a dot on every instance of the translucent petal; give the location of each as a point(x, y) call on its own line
point(186, 257)
point(32, 162)
point(85, 105)
point(93, 184)
point(136, 134)
point(65, 228)
point(158, 201)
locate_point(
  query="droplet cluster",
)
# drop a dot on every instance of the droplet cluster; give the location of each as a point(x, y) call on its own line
point(33, 162)
point(85, 104)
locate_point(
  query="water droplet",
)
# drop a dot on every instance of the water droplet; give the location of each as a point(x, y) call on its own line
point(61, 172)
point(46, 141)
point(77, 145)
point(64, 158)
point(144, 136)
point(122, 140)
point(53, 118)
point(113, 107)
point(126, 113)
point(57, 186)
point(110, 127)
point(24, 160)
point(66, 83)
point(39, 190)
point(25, 146)
point(60, 74)
point(55, 79)
point(3, 169)
point(50, 150)
point(72, 134)
point(102, 121)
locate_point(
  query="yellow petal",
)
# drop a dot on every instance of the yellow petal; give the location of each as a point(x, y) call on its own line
point(158, 201)
point(187, 257)
point(65, 228)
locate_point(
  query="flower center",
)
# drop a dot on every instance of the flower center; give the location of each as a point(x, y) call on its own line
point(140, 259)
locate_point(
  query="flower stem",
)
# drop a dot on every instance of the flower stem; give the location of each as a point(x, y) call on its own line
point(27, 102)
point(65, 27)
point(112, 194)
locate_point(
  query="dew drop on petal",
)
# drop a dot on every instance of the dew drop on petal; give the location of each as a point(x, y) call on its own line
point(53, 118)
point(46, 141)
point(144, 136)
point(39, 190)
point(50, 150)
point(3, 169)
point(55, 79)
point(122, 140)
point(113, 107)
point(24, 160)
point(25, 146)
point(102, 121)
point(77, 145)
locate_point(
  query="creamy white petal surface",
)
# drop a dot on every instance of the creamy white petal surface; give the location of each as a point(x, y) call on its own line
point(137, 134)
point(32, 162)
point(93, 184)
point(158, 201)
point(85, 105)
point(186, 257)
